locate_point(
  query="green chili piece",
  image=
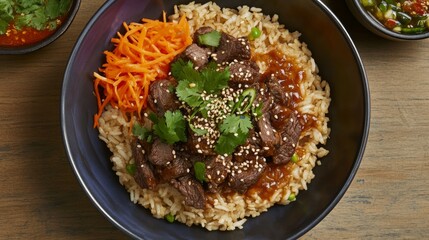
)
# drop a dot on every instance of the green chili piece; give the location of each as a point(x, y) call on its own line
point(248, 95)
point(254, 33)
point(403, 18)
point(291, 197)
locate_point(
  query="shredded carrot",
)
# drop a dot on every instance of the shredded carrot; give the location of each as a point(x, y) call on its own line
point(141, 56)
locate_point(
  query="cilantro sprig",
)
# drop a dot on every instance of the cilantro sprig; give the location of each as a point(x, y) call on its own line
point(37, 14)
point(234, 131)
point(192, 83)
point(170, 128)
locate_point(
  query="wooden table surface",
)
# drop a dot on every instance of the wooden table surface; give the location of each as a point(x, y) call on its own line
point(41, 198)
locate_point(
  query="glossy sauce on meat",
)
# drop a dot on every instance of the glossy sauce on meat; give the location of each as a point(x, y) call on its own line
point(289, 74)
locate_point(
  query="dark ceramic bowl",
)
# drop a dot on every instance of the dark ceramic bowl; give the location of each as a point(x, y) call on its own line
point(62, 29)
point(372, 24)
point(339, 63)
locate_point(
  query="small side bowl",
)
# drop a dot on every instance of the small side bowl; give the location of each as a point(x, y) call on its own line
point(60, 31)
point(372, 24)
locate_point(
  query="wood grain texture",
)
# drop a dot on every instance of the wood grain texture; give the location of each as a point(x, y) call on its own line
point(389, 197)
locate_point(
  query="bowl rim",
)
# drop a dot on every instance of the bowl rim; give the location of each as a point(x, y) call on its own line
point(379, 28)
point(44, 42)
point(300, 232)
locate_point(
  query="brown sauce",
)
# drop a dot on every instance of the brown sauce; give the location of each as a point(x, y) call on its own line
point(287, 71)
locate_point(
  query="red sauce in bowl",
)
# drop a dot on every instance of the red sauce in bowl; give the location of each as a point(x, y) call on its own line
point(23, 37)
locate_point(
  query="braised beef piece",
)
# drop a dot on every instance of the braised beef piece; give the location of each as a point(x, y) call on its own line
point(197, 55)
point(160, 153)
point(178, 167)
point(191, 189)
point(231, 48)
point(269, 136)
point(289, 139)
point(201, 31)
point(244, 72)
point(217, 168)
point(144, 175)
point(161, 98)
point(277, 90)
point(199, 145)
point(245, 174)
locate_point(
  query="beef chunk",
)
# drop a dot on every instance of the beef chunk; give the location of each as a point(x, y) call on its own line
point(198, 144)
point(269, 136)
point(217, 168)
point(201, 31)
point(231, 48)
point(289, 138)
point(278, 91)
point(160, 153)
point(144, 175)
point(178, 167)
point(197, 55)
point(192, 190)
point(245, 174)
point(161, 99)
point(244, 72)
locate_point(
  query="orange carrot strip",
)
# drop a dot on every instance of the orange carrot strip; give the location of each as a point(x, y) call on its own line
point(141, 55)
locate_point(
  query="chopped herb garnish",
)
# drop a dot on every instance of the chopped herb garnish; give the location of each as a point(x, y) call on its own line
point(211, 39)
point(37, 14)
point(227, 142)
point(169, 217)
point(200, 171)
point(141, 132)
point(131, 168)
point(198, 131)
point(171, 128)
point(232, 123)
point(192, 82)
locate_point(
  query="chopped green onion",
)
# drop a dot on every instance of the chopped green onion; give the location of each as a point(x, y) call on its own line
point(211, 39)
point(291, 197)
point(383, 6)
point(254, 33)
point(368, 3)
point(413, 30)
point(131, 168)
point(294, 158)
point(200, 171)
point(169, 217)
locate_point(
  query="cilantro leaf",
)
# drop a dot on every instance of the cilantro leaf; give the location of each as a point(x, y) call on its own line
point(211, 39)
point(200, 171)
point(6, 15)
point(234, 131)
point(232, 123)
point(187, 94)
point(215, 80)
point(141, 132)
point(171, 128)
point(227, 142)
point(198, 131)
point(182, 70)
